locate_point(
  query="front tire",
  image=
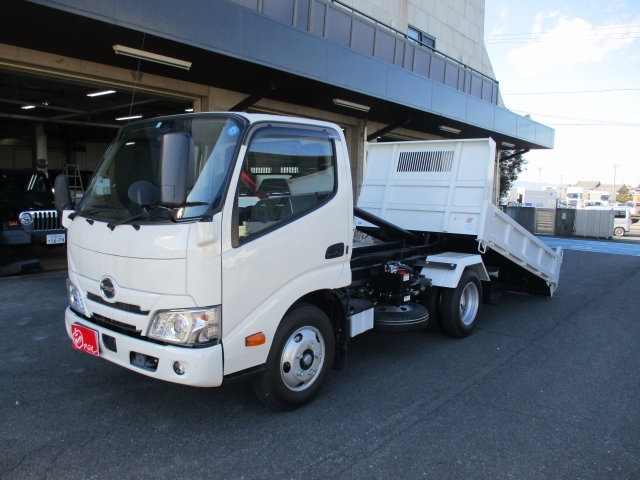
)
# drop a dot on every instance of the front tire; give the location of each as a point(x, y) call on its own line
point(459, 307)
point(299, 360)
point(618, 232)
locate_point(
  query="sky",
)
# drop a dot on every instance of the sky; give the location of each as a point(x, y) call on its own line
point(546, 46)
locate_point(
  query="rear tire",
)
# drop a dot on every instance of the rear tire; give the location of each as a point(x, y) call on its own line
point(618, 232)
point(459, 307)
point(299, 360)
point(432, 302)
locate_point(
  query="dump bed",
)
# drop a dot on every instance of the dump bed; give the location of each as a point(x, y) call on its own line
point(446, 186)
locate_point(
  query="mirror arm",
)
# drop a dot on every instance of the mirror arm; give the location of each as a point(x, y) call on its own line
point(173, 218)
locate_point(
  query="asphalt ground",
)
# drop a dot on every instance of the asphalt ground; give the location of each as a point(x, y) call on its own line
point(544, 388)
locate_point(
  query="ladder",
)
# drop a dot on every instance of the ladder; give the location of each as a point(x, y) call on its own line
point(75, 181)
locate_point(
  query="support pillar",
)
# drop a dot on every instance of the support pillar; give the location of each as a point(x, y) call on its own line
point(39, 161)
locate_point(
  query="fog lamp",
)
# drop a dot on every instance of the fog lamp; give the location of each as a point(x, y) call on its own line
point(179, 368)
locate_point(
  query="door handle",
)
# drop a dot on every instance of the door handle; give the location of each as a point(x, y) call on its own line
point(335, 251)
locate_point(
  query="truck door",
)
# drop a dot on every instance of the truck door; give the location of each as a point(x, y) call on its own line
point(289, 228)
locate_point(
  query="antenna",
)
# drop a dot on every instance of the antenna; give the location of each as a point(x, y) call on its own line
point(135, 82)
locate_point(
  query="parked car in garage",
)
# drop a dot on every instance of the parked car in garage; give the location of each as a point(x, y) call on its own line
point(27, 213)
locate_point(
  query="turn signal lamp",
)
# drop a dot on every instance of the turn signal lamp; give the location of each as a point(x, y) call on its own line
point(255, 340)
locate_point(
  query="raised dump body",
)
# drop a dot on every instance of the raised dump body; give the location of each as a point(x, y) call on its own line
point(445, 187)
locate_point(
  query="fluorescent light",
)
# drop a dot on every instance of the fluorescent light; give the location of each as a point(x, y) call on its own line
point(98, 94)
point(355, 106)
point(152, 57)
point(28, 107)
point(188, 110)
point(129, 118)
point(508, 145)
point(449, 129)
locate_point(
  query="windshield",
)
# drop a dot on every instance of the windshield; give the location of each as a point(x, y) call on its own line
point(135, 156)
point(15, 182)
point(574, 195)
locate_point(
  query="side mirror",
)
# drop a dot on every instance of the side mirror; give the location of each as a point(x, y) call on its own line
point(143, 193)
point(62, 195)
point(176, 154)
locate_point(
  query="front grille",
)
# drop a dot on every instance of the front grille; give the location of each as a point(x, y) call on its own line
point(126, 307)
point(114, 325)
point(46, 220)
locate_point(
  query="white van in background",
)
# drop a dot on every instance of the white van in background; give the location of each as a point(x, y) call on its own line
point(621, 221)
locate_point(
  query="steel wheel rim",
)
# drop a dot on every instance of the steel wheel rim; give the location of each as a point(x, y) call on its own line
point(469, 301)
point(302, 359)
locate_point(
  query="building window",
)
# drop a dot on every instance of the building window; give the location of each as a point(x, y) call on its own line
point(420, 37)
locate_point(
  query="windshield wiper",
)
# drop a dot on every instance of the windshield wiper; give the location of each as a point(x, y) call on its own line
point(92, 210)
point(144, 214)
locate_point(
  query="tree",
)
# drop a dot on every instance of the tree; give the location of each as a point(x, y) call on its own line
point(624, 196)
point(510, 167)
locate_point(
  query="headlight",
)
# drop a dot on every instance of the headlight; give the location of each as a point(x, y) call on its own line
point(75, 298)
point(193, 326)
point(25, 218)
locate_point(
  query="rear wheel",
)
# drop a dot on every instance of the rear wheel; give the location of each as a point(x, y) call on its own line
point(459, 306)
point(618, 231)
point(432, 302)
point(299, 360)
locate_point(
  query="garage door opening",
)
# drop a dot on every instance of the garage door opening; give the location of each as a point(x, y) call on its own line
point(47, 127)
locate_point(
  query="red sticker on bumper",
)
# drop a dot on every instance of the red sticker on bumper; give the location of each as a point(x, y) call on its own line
point(85, 339)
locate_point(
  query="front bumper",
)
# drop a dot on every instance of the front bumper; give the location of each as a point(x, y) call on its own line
point(19, 236)
point(15, 236)
point(204, 365)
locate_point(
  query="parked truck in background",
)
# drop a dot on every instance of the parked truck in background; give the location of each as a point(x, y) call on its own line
point(575, 197)
point(211, 248)
point(540, 198)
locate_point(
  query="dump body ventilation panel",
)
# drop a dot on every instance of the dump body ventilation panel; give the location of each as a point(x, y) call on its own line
point(434, 161)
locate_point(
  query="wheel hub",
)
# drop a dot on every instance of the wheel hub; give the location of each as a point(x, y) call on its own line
point(469, 302)
point(302, 358)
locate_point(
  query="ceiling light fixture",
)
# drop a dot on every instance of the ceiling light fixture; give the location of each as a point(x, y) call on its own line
point(444, 128)
point(99, 94)
point(128, 118)
point(28, 107)
point(508, 145)
point(152, 57)
point(355, 106)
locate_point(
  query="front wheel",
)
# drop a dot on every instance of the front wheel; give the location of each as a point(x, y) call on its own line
point(459, 306)
point(618, 231)
point(299, 360)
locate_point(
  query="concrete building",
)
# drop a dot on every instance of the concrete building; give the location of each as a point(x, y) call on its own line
point(403, 69)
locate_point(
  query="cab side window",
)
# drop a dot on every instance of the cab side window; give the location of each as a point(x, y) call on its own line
point(287, 173)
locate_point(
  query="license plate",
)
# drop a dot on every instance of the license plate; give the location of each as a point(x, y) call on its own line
point(54, 239)
point(85, 339)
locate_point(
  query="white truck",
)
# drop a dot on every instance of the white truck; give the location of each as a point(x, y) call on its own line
point(211, 248)
point(540, 198)
point(575, 197)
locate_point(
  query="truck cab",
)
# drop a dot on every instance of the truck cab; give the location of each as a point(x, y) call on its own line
point(167, 285)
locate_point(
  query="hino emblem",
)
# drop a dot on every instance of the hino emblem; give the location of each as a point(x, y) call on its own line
point(108, 288)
